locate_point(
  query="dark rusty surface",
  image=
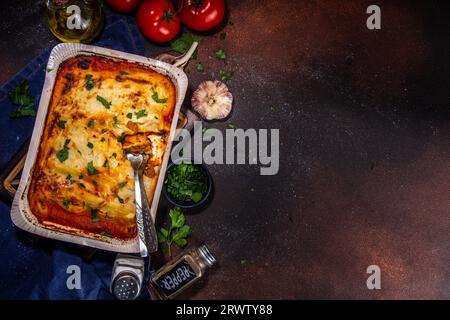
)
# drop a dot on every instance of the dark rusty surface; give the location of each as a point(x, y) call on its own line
point(363, 118)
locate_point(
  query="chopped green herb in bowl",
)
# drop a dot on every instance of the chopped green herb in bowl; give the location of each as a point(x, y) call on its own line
point(187, 185)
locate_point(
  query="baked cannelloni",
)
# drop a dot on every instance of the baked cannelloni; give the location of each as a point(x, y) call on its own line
point(82, 181)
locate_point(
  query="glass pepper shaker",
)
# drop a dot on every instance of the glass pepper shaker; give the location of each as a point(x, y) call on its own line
point(75, 20)
point(180, 273)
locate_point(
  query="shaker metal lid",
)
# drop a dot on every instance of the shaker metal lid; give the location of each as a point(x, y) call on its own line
point(206, 255)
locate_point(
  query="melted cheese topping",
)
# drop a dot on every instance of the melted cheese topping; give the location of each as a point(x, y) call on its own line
point(82, 180)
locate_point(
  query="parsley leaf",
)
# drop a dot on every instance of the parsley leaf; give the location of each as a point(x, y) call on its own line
point(104, 102)
point(122, 184)
point(199, 66)
point(89, 82)
point(123, 73)
point(94, 217)
point(90, 123)
point(22, 97)
point(105, 164)
point(66, 203)
point(90, 145)
point(63, 154)
point(120, 199)
point(221, 54)
point(61, 124)
point(129, 115)
point(114, 155)
point(91, 169)
point(223, 35)
point(157, 99)
point(140, 113)
point(178, 231)
point(115, 121)
point(121, 139)
point(225, 76)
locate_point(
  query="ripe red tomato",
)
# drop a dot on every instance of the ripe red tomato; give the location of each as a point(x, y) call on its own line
point(124, 6)
point(157, 20)
point(202, 15)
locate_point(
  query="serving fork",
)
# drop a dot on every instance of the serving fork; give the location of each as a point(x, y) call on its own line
point(148, 241)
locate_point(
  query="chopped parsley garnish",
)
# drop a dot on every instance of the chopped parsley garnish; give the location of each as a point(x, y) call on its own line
point(231, 126)
point(22, 97)
point(90, 123)
point(61, 124)
point(80, 176)
point(133, 107)
point(121, 139)
point(129, 115)
point(69, 178)
point(104, 102)
point(140, 113)
point(120, 199)
point(123, 73)
point(115, 121)
point(157, 99)
point(102, 139)
point(89, 82)
point(63, 154)
point(199, 66)
point(225, 76)
point(122, 184)
point(223, 35)
point(91, 169)
point(114, 155)
point(94, 217)
point(94, 182)
point(105, 164)
point(186, 182)
point(66, 203)
point(104, 130)
point(220, 54)
point(90, 145)
point(82, 185)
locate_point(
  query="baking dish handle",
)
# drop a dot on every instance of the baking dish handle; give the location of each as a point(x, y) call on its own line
point(181, 61)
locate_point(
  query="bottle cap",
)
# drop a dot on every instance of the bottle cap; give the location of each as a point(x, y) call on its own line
point(206, 255)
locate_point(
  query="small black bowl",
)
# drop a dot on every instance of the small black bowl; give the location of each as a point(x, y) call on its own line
point(189, 204)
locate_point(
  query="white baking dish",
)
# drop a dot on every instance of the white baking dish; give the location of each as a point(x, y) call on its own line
point(20, 212)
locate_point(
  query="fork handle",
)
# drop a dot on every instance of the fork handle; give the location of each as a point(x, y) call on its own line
point(148, 241)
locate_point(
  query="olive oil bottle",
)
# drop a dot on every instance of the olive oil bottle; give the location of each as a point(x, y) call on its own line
point(75, 20)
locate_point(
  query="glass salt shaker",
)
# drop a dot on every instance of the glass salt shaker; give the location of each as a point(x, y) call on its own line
point(180, 273)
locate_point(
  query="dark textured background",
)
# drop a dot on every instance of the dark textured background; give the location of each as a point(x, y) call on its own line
point(363, 118)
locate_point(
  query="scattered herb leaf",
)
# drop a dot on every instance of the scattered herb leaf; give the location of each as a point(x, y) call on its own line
point(129, 115)
point(157, 99)
point(63, 154)
point(94, 217)
point(221, 54)
point(140, 114)
point(66, 203)
point(22, 97)
point(89, 82)
point(104, 102)
point(61, 124)
point(225, 76)
point(91, 169)
point(223, 35)
point(199, 66)
point(123, 73)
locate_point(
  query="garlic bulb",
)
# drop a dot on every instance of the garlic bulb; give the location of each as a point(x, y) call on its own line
point(212, 100)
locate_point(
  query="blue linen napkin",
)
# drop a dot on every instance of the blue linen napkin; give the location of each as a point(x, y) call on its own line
point(33, 267)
